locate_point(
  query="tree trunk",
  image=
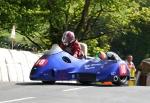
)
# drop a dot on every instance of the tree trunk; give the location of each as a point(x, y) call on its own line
point(81, 26)
point(33, 42)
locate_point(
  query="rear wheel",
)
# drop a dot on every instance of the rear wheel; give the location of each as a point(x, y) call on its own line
point(48, 82)
point(121, 81)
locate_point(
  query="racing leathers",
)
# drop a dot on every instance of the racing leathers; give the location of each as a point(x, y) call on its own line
point(73, 48)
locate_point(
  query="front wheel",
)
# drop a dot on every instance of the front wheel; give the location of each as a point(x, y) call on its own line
point(48, 82)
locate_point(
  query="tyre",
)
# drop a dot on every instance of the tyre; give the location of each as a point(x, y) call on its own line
point(48, 82)
point(85, 82)
point(121, 81)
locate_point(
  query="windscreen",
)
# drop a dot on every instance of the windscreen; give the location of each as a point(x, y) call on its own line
point(113, 56)
point(54, 50)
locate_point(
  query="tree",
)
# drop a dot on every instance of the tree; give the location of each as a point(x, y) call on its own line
point(136, 40)
point(102, 24)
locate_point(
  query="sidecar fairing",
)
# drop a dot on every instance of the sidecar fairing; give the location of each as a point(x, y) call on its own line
point(115, 71)
point(56, 65)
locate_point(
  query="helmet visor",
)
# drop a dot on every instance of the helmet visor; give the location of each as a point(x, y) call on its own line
point(64, 40)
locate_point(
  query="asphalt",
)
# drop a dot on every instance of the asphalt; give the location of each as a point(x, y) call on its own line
point(36, 92)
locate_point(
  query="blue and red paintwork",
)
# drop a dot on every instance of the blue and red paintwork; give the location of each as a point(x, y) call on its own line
point(58, 65)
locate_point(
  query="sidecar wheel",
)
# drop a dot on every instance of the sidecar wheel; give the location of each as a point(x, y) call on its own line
point(85, 82)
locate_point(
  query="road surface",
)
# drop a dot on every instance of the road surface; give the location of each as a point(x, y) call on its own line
point(36, 92)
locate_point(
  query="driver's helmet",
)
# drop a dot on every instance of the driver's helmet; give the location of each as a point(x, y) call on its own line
point(68, 37)
point(102, 56)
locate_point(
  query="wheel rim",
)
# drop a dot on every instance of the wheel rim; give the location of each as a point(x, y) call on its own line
point(123, 80)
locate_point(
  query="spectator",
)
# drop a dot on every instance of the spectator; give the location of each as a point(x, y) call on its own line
point(132, 69)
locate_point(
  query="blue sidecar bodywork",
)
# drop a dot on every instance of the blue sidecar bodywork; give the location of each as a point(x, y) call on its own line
point(57, 65)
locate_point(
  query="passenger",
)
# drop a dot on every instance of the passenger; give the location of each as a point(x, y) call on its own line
point(102, 55)
point(109, 56)
point(71, 45)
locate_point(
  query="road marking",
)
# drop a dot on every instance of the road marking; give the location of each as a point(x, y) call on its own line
point(15, 100)
point(72, 89)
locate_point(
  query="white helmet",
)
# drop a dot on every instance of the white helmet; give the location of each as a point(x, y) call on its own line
point(68, 37)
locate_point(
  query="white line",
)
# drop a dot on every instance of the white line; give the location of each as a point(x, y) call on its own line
point(74, 89)
point(14, 100)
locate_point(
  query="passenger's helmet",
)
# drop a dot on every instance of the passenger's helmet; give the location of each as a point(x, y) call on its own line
point(68, 37)
point(102, 56)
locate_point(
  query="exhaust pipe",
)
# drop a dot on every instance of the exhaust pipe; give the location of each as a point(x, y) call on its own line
point(115, 78)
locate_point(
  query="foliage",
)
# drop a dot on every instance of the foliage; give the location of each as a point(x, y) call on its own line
point(136, 41)
point(116, 25)
point(97, 45)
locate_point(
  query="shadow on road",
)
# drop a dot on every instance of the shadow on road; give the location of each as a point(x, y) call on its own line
point(67, 84)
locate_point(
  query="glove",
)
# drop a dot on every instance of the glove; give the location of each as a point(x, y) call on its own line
point(75, 55)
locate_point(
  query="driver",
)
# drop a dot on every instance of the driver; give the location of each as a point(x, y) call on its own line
point(71, 45)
